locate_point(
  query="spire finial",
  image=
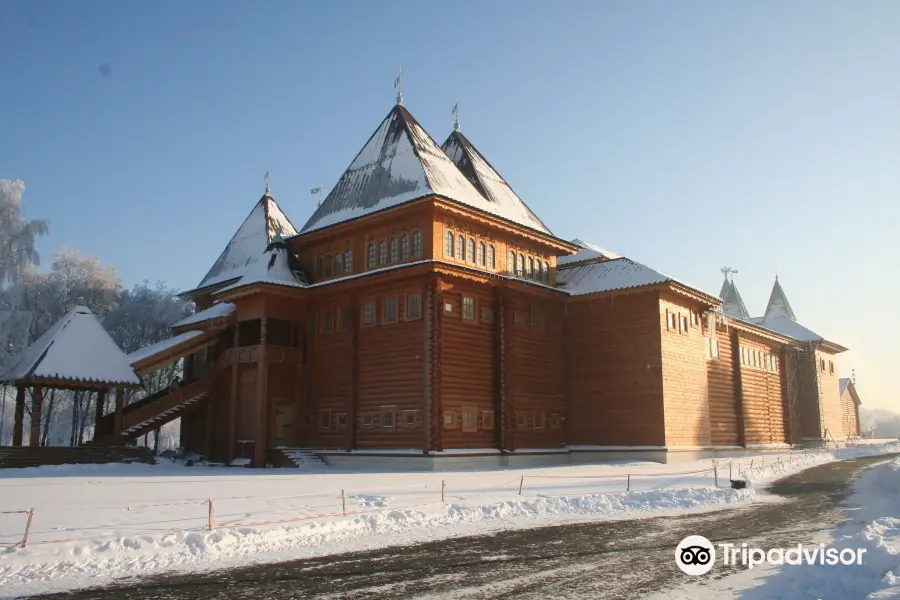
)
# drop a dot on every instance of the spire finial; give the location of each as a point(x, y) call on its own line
point(776, 271)
point(726, 271)
point(398, 85)
point(267, 182)
point(455, 113)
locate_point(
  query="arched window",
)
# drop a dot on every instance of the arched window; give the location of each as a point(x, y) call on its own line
point(481, 253)
point(530, 273)
point(539, 275)
point(404, 247)
point(511, 263)
point(471, 251)
point(461, 247)
point(491, 261)
point(546, 272)
point(348, 261)
point(393, 248)
point(370, 256)
point(448, 245)
point(338, 264)
point(382, 253)
point(417, 244)
point(318, 267)
point(520, 268)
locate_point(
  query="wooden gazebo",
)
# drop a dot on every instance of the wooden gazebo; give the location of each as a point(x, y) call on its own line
point(76, 353)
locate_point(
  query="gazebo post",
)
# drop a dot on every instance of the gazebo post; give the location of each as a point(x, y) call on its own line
point(117, 426)
point(18, 424)
point(37, 401)
point(98, 411)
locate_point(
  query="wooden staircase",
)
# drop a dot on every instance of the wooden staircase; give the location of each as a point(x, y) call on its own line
point(302, 458)
point(19, 457)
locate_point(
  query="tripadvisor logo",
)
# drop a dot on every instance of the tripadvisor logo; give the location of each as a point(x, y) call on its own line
point(695, 555)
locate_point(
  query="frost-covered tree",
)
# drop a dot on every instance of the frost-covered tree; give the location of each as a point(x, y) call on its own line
point(17, 235)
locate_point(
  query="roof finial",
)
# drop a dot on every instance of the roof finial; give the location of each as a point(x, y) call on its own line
point(398, 85)
point(267, 182)
point(455, 113)
point(776, 271)
point(726, 271)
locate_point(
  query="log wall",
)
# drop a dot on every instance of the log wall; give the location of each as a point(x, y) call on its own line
point(761, 385)
point(723, 404)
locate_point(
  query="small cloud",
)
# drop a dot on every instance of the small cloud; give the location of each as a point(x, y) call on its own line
point(105, 69)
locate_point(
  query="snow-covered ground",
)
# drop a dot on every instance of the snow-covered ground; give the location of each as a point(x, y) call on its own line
point(873, 526)
point(95, 523)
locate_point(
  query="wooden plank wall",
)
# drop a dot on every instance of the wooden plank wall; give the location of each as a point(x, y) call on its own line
point(613, 371)
point(328, 376)
point(723, 417)
point(684, 379)
point(808, 393)
point(830, 394)
point(848, 413)
point(535, 371)
point(763, 399)
point(246, 428)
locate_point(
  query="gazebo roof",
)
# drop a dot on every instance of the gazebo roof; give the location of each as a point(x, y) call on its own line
point(76, 352)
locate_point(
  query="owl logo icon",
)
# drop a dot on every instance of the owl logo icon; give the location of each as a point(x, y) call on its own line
point(695, 555)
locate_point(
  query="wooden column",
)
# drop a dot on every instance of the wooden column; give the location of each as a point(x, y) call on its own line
point(262, 400)
point(437, 404)
point(210, 412)
point(501, 418)
point(18, 424)
point(738, 387)
point(231, 438)
point(98, 411)
point(117, 419)
point(427, 349)
point(37, 403)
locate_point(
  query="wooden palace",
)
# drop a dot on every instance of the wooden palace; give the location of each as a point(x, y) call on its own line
point(425, 317)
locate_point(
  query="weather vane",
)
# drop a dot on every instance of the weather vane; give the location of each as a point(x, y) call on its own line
point(398, 85)
point(267, 181)
point(455, 113)
point(726, 271)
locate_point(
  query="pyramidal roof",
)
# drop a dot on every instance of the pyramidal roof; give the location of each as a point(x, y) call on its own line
point(489, 183)
point(778, 303)
point(276, 266)
point(732, 303)
point(264, 222)
point(398, 164)
point(75, 350)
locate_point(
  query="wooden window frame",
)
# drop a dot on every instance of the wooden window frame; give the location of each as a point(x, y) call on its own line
point(488, 422)
point(340, 420)
point(671, 321)
point(695, 319)
point(530, 273)
point(511, 264)
point(393, 250)
point(537, 320)
point(348, 261)
point(328, 320)
point(491, 257)
point(338, 264)
point(328, 268)
point(407, 316)
point(415, 418)
point(460, 247)
point(404, 247)
point(382, 253)
point(546, 272)
point(416, 243)
point(323, 412)
point(371, 256)
point(472, 413)
point(343, 318)
point(385, 301)
point(683, 324)
point(520, 266)
point(482, 254)
point(822, 362)
point(449, 244)
point(831, 367)
point(370, 415)
point(543, 420)
point(539, 274)
point(471, 252)
point(448, 307)
point(448, 420)
point(464, 313)
point(374, 320)
point(521, 419)
point(388, 410)
point(487, 315)
point(555, 421)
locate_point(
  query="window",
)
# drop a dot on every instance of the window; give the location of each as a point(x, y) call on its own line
point(368, 314)
point(413, 305)
point(670, 320)
point(511, 263)
point(537, 320)
point(328, 265)
point(546, 272)
point(382, 253)
point(695, 320)
point(823, 365)
point(521, 419)
point(337, 264)
point(481, 254)
point(387, 416)
point(328, 321)
point(471, 254)
point(249, 333)
point(416, 244)
point(341, 420)
point(830, 368)
point(555, 421)
point(683, 321)
point(711, 345)
point(409, 418)
point(370, 256)
point(460, 247)
point(449, 419)
point(538, 420)
point(520, 265)
point(448, 244)
point(468, 308)
point(530, 273)
point(404, 247)
point(368, 419)
point(539, 275)
point(348, 261)
point(487, 420)
point(448, 307)
point(775, 363)
point(311, 325)
point(318, 267)
point(469, 419)
point(281, 333)
point(491, 261)
point(393, 248)
point(324, 418)
point(487, 315)
point(390, 310)
point(343, 318)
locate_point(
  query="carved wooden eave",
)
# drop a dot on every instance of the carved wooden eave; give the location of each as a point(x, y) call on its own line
point(272, 289)
point(832, 347)
point(694, 294)
point(500, 279)
point(759, 332)
point(173, 353)
point(214, 324)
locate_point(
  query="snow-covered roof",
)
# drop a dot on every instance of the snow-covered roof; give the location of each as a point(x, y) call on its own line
point(844, 382)
point(488, 181)
point(161, 346)
point(277, 266)
point(606, 276)
point(222, 309)
point(788, 327)
point(76, 349)
point(264, 222)
point(398, 164)
point(588, 252)
point(778, 303)
point(732, 303)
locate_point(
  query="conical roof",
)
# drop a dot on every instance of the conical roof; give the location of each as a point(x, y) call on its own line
point(264, 222)
point(488, 181)
point(778, 305)
point(76, 350)
point(276, 266)
point(398, 164)
point(732, 303)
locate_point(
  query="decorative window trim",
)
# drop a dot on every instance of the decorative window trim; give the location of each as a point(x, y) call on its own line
point(470, 251)
point(491, 257)
point(487, 420)
point(482, 254)
point(468, 309)
point(404, 247)
point(521, 419)
point(368, 420)
point(469, 414)
point(449, 244)
point(546, 272)
point(382, 253)
point(555, 421)
point(370, 256)
point(406, 418)
point(461, 247)
point(348, 261)
point(369, 319)
point(416, 243)
point(393, 250)
point(413, 315)
point(388, 417)
point(340, 420)
point(540, 423)
point(386, 303)
point(328, 263)
point(537, 320)
point(323, 418)
point(449, 419)
point(671, 321)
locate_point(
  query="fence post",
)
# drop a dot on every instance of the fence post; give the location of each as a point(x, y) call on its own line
point(212, 515)
point(443, 485)
point(716, 475)
point(729, 471)
point(521, 483)
point(27, 527)
point(751, 464)
point(343, 503)
point(628, 486)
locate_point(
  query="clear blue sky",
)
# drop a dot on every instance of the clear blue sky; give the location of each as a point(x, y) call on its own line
point(686, 135)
